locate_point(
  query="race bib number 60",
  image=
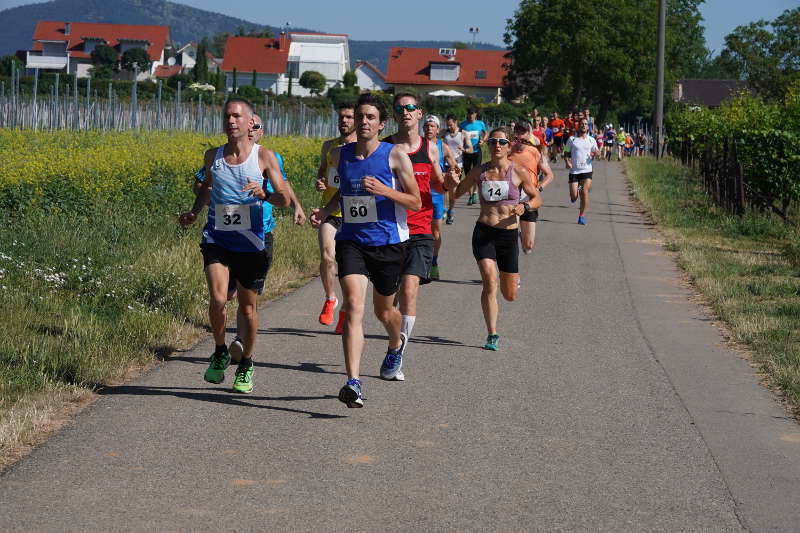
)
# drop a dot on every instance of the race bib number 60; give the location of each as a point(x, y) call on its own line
point(494, 191)
point(360, 209)
point(232, 217)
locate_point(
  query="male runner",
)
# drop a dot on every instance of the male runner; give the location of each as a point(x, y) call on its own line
point(237, 346)
point(446, 160)
point(376, 186)
point(477, 132)
point(328, 183)
point(530, 155)
point(557, 127)
point(459, 143)
point(424, 158)
point(233, 238)
point(582, 149)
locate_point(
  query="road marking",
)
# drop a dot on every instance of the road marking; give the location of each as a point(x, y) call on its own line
point(791, 437)
point(360, 460)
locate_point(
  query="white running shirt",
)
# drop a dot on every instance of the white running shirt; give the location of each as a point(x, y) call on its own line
point(581, 154)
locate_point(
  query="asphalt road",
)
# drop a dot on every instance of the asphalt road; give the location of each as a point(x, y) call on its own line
point(612, 405)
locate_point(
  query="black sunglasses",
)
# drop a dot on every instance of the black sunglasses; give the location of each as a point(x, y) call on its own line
point(408, 107)
point(496, 140)
point(256, 126)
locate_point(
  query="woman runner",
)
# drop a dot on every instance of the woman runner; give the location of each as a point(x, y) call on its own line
point(494, 240)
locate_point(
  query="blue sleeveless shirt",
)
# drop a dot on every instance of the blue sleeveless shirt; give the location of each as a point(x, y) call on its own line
point(441, 166)
point(235, 218)
point(367, 219)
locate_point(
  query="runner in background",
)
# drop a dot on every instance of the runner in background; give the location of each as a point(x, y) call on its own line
point(459, 144)
point(446, 161)
point(528, 154)
point(583, 149)
point(328, 183)
point(556, 125)
point(476, 131)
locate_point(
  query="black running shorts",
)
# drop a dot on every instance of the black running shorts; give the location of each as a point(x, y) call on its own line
point(248, 268)
point(530, 216)
point(577, 178)
point(383, 265)
point(419, 257)
point(472, 160)
point(502, 245)
point(336, 222)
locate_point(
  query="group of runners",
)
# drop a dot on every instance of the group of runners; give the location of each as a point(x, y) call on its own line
point(383, 203)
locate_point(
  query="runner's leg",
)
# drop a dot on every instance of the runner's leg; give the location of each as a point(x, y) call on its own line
point(354, 293)
point(217, 279)
point(488, 270)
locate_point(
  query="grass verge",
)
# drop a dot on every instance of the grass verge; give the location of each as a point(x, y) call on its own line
point(746, 267)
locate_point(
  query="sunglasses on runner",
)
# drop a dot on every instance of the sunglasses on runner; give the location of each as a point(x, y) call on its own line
point(408, 107)
point(496, 140)
point(256, 126)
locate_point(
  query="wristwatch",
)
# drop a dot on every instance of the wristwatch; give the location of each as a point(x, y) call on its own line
point(526, 206)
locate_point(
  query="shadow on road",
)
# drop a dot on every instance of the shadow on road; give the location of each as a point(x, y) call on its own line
point(219, 395)
point(459, 281)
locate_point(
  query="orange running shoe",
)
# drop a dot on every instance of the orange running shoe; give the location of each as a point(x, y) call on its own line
point(326, 315)
point(340, 323)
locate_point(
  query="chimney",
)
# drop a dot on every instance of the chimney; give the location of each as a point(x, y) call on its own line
point(67, 27)
point(283, 41)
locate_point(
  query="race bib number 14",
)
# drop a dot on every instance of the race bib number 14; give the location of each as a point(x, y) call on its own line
point(359, 209)
point(494, 191)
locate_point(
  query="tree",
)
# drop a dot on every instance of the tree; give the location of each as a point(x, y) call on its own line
point(200, 70)
point(104, 56)
point(313, 81)
point(9, 62)
point(569, 53)
point(349, 79)
point(250, 92)
point(766, 55)
point(134, 57)
point(101, 72)
point(460, 45)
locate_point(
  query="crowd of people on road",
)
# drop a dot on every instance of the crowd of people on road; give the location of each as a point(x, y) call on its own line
point(383, 202)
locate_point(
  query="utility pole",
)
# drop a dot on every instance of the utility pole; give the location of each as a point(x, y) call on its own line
point(659, 125)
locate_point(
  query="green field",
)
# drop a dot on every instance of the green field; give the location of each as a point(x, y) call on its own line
point(98, 280)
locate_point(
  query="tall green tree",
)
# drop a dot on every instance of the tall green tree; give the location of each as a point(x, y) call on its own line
point(135, 57)
point(765, 54)
point(570, 53)
point(9, 62)
point(104, 56)
point(200, 70)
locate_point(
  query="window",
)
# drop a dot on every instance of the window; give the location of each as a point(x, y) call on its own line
point(445, 71)
point(480, 74)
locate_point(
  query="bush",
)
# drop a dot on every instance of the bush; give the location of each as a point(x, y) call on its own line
point(254, 94)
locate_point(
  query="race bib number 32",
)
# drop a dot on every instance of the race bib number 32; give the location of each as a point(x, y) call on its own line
point(494, 191)
point(360, 209)
point(232, 217)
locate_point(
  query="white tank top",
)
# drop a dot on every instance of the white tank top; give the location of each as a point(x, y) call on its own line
point(456, 143)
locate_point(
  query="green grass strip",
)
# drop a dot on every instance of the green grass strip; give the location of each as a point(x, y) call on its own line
point(747, 268)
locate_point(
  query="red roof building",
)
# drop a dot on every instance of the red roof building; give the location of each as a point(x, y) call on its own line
point(276, 65)
point(67, 46)
point(477, 73)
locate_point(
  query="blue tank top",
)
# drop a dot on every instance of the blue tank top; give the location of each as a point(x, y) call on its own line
point(269, 218)
point(441, 166)
point(235, 218)
point(368, 219)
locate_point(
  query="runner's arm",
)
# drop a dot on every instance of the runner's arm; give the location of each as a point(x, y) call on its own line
point(320, 184)
point(544, 166)
point(202, 191)
point(449, 160)
point(526, 180)
point(437, 178)
point(318, 216)
point(568, 155)
point(467, 142)
point(404, 172)
point(272, 171)
point(466, 183)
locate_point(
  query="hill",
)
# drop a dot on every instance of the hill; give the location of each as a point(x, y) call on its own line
point(186, 24)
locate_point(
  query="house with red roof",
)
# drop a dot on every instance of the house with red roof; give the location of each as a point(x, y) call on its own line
point(61, 46)
point(476, 73)
point(369, 77)
point(279, 63)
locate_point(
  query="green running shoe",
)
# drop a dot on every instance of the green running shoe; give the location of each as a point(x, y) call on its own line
point(491, 342)
point(435, 272)
point(215, 373)
point(243, 382)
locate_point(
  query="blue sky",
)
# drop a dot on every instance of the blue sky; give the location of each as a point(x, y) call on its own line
point(445, 20)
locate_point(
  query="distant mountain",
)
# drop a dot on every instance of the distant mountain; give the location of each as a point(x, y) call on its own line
point(186, 24)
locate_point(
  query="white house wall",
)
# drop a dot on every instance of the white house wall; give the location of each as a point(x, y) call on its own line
point(367, 80)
